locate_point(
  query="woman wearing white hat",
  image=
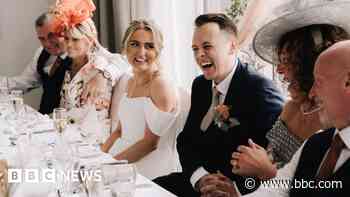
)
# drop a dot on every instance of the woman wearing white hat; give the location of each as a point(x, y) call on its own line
point(293, 41)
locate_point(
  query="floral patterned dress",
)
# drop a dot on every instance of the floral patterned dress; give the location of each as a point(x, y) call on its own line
point(72, 90)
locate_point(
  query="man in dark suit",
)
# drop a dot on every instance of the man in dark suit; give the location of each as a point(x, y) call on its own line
point(230, 103)
point(48, 67)
point(321, 166)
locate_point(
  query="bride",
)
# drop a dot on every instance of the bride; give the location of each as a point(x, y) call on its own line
point(145, 103)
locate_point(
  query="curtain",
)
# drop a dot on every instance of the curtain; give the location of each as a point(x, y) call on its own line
point(175, 19)
point(105, 24)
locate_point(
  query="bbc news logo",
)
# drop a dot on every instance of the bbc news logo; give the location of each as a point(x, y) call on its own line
point(52, 175)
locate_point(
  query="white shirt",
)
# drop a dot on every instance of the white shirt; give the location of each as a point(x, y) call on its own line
point(222, 87)
point(30, 78)
point(288, 171)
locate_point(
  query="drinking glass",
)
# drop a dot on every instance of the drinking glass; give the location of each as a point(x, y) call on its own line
point(4, 93)
point(60, 119)
point(17, 102)
point(121, 178)
point(4, 86)
point(13, 135)
point(94, 185)
point(93, 139)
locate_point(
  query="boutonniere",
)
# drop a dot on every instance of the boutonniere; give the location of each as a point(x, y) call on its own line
point(223, 119)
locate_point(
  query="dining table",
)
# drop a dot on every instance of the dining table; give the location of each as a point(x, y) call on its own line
point(31, 141)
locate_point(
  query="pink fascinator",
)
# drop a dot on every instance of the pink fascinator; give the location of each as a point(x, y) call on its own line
point(69, 13)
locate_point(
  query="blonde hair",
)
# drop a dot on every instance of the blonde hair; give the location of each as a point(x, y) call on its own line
point(157, 35)
point(146, 25)
point(86, 28)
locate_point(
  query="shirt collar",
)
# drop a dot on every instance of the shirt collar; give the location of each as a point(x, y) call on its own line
point(345, 136)
point(223, 86)
point(63, 56)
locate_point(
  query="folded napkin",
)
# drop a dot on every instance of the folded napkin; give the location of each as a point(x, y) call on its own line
point(101, 158)
point(41, 126)
point(87, 151)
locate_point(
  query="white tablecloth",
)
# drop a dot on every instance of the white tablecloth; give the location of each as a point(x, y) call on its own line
point(144, 187)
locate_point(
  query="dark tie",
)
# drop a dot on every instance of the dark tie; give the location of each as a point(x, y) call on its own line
point(209, 117)
point(55, 65)
point(331, 159)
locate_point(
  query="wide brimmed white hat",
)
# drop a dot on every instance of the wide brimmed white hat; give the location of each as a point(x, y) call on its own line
point(295, 14)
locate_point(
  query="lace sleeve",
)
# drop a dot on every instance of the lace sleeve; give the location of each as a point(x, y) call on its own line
point(282, 143)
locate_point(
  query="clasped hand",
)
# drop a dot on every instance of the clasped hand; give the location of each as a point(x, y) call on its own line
point(253, 161)
point(216, 185)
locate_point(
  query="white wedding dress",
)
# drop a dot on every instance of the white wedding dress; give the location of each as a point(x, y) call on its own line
point(134, 114)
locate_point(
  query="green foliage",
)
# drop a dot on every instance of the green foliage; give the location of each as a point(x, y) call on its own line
point(236, 10)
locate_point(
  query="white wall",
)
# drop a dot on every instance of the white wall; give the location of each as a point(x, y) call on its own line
point(17, 38)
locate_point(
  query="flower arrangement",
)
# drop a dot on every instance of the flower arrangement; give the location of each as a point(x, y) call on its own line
point(236, 10)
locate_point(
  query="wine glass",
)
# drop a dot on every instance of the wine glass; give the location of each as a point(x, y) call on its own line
point(13, 135)
point(60, 119)
point(94, 186)
point(93, 139)
point(4, 88)
point(4, 93)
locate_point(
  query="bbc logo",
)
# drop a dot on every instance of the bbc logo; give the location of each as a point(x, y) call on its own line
point(31, 175)
point(49, 175)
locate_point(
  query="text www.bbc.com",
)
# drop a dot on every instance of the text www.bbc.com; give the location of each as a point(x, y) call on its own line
point(297, 184)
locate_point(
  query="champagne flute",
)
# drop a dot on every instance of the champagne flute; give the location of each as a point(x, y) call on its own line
point(60, 119)
point(17, 102)
point(4, 99)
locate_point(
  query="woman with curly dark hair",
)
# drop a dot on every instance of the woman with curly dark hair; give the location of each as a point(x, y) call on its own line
point(296, 53)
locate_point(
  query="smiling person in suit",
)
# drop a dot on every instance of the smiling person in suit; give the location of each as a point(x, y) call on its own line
point(329, 90)
point(48, 66)
point(323, 161)
point(230, 103)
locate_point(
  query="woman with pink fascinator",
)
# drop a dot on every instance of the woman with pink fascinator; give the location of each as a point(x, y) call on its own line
point(73, 21)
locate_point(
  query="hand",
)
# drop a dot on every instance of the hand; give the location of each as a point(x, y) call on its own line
point(3, 179)
point(216, 185)
point(102, 103)
point(253, 161)
point(94, 88)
